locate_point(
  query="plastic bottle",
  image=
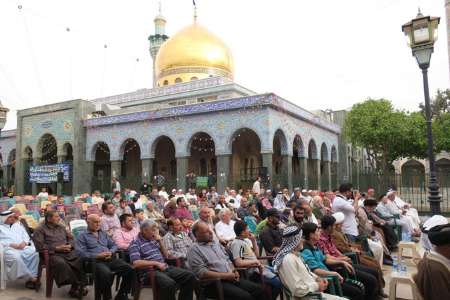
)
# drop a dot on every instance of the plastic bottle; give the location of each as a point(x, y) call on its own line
point(394, 264)
point(403, 268)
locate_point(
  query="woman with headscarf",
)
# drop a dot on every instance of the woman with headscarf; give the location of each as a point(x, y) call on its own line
point(293, 272)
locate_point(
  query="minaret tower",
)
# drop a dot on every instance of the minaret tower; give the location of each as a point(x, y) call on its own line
point(157, 39)
point(447, 14)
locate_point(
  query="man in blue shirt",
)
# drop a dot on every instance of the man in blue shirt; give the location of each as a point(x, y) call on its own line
point(148, 250)
point(96, 244)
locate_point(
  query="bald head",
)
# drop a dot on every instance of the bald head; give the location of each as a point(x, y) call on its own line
point(93, 222)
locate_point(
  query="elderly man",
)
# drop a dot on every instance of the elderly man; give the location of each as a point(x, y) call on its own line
point(406, 210)
point(109, 221)
point(176, 241)
point(94, 243)
point(225, 227)
point(127, 232)
point(387, 210)
point(65, 265)
point(433, 273)
point(148, 250)
point(20, 256)
point(208, 260)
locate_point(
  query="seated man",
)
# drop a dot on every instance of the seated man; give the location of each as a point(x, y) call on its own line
point(298, 216)
point(176, 241)
point(94, 243)
point(270, 236)
point(109, 221)
point(316, 261)
point(208, 260)
point(433, 274)
point(123, 208)
point(294, 274)
point(182, 211)
point(148, 250)
point(243, 249)
point(65, 265)
point(127, 232)
point(367, 275)
point(410, 211)
point(390, 237)
point(21, 258)
point(225, 227)
point(388, 211)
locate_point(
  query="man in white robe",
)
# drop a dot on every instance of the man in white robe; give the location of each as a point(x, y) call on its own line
point(410, 211)
point(21, 258)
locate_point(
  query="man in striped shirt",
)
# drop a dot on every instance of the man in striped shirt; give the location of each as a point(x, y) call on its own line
point(148, 250)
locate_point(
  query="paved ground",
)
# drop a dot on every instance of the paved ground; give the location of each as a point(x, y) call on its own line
point(16, 290)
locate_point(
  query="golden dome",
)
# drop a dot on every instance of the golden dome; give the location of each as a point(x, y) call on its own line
point(192, 53)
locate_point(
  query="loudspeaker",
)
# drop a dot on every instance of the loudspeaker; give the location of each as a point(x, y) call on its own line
point(60, 177)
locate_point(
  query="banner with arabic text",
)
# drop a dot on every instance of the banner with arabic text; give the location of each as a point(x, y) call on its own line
point(49, 173)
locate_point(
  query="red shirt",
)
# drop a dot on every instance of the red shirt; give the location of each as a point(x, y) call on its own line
point(183, 213)
point(327, 246)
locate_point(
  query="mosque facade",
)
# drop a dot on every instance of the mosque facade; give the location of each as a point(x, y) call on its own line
point(195, 118)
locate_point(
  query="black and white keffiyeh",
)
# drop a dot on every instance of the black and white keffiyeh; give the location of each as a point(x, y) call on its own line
point(291, 238)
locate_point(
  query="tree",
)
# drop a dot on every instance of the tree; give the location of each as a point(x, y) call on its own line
point(440, 104)
point(386, 134)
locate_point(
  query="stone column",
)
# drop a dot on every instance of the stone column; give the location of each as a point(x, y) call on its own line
point(34, 190)
point(5, 178)
point(182, 166)
point(59, 186)
point(147, 170)
point(223, 171)
point(328, 169)
point(303, 172)
point(319, 175)
point(89, 167)
point(287, 170)
point(267, 163)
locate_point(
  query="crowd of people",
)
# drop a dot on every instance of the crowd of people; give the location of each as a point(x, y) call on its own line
point(307, 237)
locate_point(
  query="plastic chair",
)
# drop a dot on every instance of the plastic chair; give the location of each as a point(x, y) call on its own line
point(288, 295)
point(21, 207)
point(77, 226)
point(2, 269)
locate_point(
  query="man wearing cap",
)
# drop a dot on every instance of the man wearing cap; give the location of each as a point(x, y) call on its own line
point(271, 235)
point(20, 256)
point(433, 274)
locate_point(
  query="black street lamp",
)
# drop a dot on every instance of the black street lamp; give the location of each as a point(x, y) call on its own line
point(3, 113)
point(421, 34)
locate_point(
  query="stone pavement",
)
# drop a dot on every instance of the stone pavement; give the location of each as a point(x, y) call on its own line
point(17, 291)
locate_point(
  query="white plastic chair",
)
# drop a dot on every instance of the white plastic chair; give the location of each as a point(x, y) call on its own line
point(76, 226)
point(2, 269)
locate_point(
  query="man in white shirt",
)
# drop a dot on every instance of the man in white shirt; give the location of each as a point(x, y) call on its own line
point(342, 204)
point(232, 196)
point(410, 211)
point(225, 227)
point(257, 186)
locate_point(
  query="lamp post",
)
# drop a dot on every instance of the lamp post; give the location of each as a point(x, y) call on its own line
point(421, 34)
point(3, 113)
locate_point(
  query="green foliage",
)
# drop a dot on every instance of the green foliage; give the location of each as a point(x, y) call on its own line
point(387, 134)
point(439, 105)
point(441, 132)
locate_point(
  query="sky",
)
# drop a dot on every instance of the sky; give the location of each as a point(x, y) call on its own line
point(324, 54)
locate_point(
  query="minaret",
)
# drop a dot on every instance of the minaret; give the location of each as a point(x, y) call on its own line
point(447, 13)
point(157, 39)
